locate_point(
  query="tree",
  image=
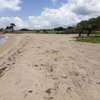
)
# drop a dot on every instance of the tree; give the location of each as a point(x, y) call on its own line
point(81, 27)
point(98, 23)
point(24, 29)
point(1, 29)
point(8, 28)
point(91, 25)
point(59, 29)
point(88, 25)
point(12, 25)
point(70, 27)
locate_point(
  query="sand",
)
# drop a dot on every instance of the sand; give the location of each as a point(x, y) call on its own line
point(49, 67)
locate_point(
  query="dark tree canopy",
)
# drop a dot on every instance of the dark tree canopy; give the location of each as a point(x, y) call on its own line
point(70, 27)
point(25, 29)
point(88, 25)
point(59, 29)
point(11, 27)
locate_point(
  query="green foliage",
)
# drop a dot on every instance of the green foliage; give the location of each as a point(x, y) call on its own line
point(81, 25)
point(10, 28)
point(70, 27)
point(24, 32)
point(59, 29)
point(90, 39)
point(24, 29)
point(37, 31)
point(45, 31)
point(88, 25)
point(68, 31)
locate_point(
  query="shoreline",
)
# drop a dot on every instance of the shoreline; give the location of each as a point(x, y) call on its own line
point(3, 39)
point(8, 44)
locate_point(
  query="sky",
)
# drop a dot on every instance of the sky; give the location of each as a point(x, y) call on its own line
point(43, 14)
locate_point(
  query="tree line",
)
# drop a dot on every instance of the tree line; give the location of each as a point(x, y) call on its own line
point(85, 26)
point(9, 28)
point(93, 24)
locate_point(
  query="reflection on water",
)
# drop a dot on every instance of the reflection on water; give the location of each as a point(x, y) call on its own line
point(3, 39)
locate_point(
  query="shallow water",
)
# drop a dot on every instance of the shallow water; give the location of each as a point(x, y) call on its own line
point(3, 39)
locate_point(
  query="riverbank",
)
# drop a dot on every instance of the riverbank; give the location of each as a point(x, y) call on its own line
point(7, 42)
point(3, 39)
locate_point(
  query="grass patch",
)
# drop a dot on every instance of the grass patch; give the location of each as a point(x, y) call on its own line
point(90, 39)
point(24, 32)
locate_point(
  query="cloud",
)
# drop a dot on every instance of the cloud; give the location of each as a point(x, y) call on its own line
point(51, 18)
point(5, 21)
point(38, 22)
point(69, 13)
point(10, 4)
point(84, 7)
point(54, 1)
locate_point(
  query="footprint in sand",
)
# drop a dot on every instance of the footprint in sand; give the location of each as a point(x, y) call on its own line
point(69, 89)
point(2, 71)
point(26, 93)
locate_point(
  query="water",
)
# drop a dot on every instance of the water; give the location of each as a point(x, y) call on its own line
point(3, 39)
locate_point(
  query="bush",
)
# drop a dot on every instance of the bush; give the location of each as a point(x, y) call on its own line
point(69, 31)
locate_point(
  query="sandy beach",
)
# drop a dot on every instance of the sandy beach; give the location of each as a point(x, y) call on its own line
point(49, 67)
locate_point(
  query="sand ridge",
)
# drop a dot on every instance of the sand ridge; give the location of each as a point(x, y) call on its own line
point(50, 67)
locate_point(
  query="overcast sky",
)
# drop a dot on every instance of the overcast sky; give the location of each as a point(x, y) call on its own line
point(37, 14)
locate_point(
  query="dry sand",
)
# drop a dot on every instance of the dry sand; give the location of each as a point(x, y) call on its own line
point(49, 67)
